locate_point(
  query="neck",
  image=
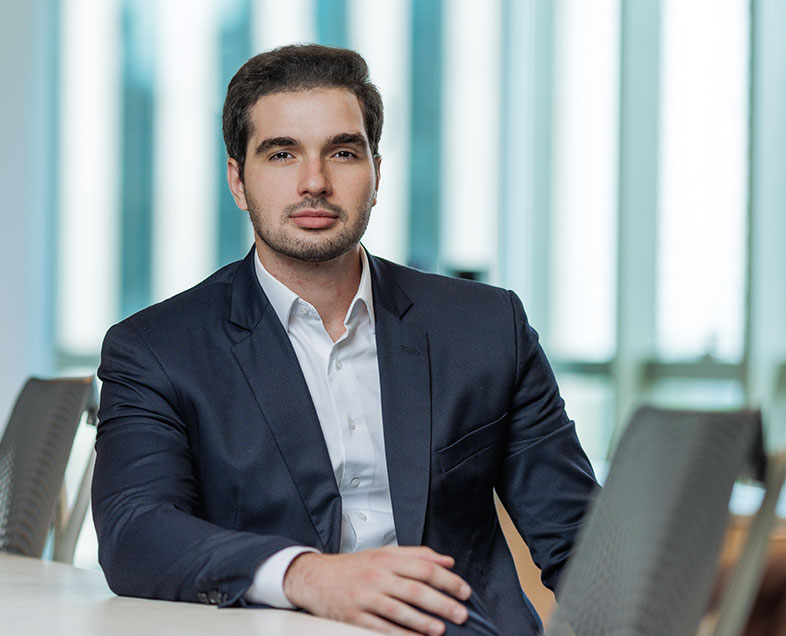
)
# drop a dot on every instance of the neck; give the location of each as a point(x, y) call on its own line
point(328, 286)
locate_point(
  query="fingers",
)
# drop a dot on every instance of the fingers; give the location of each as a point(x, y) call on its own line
point(435, 575)
point(430, 567)
point(392, 616)
point(422, 585)
point(417, 596)
point(396, 590)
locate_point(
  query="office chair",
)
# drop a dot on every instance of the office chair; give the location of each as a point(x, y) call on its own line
point(645, 561)
point(34, 452)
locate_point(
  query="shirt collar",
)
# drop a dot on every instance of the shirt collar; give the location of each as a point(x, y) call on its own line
point(283, 299)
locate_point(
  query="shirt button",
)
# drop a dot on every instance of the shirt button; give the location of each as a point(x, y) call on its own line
point(362, 516)
point(355, 482)
point(352, 425)
point(339, 365)
point(303, 310)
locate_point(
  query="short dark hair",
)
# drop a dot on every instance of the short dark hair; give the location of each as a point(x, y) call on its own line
point(291, 68)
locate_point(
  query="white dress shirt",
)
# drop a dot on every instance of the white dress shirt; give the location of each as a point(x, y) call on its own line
point(343, 379)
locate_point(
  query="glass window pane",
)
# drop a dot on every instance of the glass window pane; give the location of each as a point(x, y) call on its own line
point(583, 253)
point(88, 172)
point(470, 142)
point(703, 178)
point(185, 107)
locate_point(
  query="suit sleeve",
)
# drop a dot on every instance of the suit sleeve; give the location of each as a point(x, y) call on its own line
point(152, 542)
point(546, 481)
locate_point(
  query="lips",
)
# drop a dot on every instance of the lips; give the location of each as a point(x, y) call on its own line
point(313, 219)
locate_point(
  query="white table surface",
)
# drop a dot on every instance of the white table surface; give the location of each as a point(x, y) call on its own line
point(42, 598)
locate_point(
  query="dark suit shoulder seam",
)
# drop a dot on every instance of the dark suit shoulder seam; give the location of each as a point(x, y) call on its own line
point(158, 361)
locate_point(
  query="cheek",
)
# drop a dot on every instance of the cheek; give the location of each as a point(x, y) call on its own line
point(267, 194)
point(364, 189)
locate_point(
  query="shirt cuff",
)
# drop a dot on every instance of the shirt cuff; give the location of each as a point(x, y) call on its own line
point(268, 585)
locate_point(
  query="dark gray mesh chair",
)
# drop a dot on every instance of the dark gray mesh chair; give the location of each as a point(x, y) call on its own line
point(645, 562)
point(34, 452)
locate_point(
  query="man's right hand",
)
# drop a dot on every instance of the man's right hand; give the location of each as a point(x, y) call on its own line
point(388, 589)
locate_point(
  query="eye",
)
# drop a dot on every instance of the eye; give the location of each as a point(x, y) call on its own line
point(282, 155)
point(345, 154)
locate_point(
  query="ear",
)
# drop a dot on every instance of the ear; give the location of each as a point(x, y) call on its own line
point(377, 164)
point(236, 185)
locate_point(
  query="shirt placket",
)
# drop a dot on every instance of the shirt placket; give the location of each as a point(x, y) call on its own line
point(359, 473)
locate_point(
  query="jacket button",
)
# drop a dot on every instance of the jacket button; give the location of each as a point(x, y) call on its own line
point(202, 597)
point(214, 597)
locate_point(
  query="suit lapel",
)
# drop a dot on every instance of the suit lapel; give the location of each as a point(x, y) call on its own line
point(267, 359)
point(404, 375)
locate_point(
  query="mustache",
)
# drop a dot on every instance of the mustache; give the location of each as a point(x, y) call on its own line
point(314, 203)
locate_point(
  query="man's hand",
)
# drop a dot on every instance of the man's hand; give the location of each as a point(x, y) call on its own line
point(382, 589)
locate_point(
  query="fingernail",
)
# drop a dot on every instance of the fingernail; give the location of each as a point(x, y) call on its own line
point(466, 591)
point(460, 615)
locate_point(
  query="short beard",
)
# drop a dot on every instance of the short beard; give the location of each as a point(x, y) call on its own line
point(317, 251)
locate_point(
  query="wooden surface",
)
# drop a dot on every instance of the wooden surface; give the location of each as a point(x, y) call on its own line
point(41, 598)
point(735, 536)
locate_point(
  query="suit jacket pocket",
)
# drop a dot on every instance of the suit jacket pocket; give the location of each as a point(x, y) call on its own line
point(471, 444)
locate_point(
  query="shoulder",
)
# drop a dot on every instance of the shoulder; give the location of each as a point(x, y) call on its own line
point(458, 309)
point(425, 288)
point(205, 304)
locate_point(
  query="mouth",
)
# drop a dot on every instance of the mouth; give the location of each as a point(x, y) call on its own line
point(315, 219)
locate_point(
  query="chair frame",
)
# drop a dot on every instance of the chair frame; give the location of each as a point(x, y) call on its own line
point(38, 443)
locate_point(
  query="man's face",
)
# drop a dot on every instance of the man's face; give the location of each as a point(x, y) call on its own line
point(309, 178)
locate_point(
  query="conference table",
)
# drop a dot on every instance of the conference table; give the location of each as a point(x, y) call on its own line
point(43, 598)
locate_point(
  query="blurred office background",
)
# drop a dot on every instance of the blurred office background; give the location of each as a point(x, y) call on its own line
point(619, 163)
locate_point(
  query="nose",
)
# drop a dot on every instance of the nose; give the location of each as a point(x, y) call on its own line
point(314, 180)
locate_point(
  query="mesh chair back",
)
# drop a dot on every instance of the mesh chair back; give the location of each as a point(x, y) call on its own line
point(644, 564)
point(34, 453)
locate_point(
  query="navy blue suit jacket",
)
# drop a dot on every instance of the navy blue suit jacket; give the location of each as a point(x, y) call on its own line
point(210, 456)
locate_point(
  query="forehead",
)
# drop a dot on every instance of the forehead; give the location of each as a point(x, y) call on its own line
point(314, 113)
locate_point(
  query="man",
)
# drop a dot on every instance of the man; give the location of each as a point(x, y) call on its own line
point(314, 427)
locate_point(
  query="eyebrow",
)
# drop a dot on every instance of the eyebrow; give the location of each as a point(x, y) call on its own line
point(348, 138)
point(274, 142)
